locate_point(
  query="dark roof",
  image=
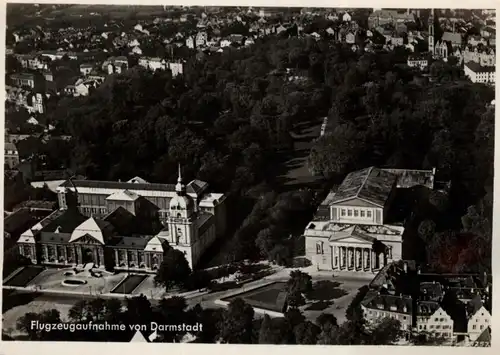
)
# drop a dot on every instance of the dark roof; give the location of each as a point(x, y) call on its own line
point(371, 184)
point(138, 242)
point(18, 221)
point(474, 305)
point(195, 186)
point(388, 303)
point(455, 38)
point(37, 204)
point(477, 68)
point(122, 220)
point(410, 178)
point(485, 336)
point(431, 289)
point(427, 308)
point(66, 220)
point(55, 237)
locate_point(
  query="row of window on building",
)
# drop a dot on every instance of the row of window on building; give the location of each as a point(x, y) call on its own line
point(355, 213)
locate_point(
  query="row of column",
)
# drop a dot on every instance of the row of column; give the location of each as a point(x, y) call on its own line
point(357, 259)
point(75, 252)
point(136, 258)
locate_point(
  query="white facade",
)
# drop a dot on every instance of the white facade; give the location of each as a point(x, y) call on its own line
point(478, 322)
point(420, 63)
point(344, 238)
point(439, 323)
point(479, 74)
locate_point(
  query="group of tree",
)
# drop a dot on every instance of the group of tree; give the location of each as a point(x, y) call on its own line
point(237, 324)
point(226, 116)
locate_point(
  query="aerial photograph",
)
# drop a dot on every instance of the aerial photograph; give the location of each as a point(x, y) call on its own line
point(248, 175)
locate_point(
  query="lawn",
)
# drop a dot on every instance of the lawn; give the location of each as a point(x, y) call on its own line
point(24, 277)
point(268, 297)
point(129, 284)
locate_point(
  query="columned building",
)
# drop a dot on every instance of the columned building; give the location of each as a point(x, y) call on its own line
point(129, 237)
point(352, 229)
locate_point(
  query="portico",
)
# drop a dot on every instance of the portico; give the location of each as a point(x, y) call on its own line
point(356, 258)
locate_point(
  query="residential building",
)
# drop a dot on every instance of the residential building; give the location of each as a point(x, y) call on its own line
point(479, 74)
point(478, 318)
point(383, 17)
point(152, 63)
point(417, 62)
point(431, 318)
point(86, 68)
point(11, 155)
point(23, 80)
point(377, 306)
point(481, 55)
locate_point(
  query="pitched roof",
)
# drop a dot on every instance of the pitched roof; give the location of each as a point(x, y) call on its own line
point(410, 178)
point(371, 184)
point(124, 195)
point(90, 227)
point(485, 336)
point(455, 38)
point(400, 304)
point(474, 305)
point(427, 308)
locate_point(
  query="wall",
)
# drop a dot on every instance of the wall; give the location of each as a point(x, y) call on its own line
point(322, 260)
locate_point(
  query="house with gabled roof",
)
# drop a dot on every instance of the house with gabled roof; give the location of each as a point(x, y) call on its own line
point(377, 306)
point(478, 318)
point(433, 319)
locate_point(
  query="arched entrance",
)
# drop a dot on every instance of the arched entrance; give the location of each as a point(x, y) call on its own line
point(87, 256)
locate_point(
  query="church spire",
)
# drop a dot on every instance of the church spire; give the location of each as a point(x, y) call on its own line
point(180, 188)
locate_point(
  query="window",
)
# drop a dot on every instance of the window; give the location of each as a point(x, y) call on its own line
point(441, 319)
point(349, 213)
point(474, 326)
point(404, 317)
point(362, 213)
point(436, 319)
point(369, 214)
point(342, 212)
point(356, 213)
point(481, 327)
point(438, 327)
point(319, 248)
point(431, 326)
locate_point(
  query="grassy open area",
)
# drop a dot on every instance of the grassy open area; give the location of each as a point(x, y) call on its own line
point(129, 284)
point(24, 277)
point(265, 297)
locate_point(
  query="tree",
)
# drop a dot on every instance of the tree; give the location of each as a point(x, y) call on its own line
point(335, 152)
point(306, 333)
point(174, 270)
point(426, 229)
point(299, 284)
point(439, 200)
point(354, 311)
point(237, 323)
point(326, 321)
point(44, 318)
point(386, 332)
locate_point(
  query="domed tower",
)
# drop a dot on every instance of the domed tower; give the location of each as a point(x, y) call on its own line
point(181, 219)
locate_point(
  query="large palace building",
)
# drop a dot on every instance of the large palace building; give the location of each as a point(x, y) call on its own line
point(352, 229)
point(126, 225)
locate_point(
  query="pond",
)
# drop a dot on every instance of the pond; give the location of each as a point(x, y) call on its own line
point(73, 282)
